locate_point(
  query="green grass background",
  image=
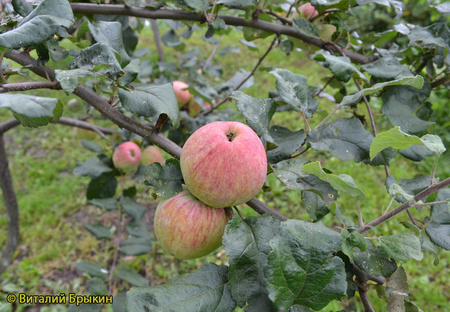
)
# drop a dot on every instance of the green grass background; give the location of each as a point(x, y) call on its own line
point(53, 205)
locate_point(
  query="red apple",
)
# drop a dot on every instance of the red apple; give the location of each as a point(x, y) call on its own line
point(150, 155)
point(183, 96)
point(187, 228)
point(126, 157)
point(307, 11)
point(224, 164)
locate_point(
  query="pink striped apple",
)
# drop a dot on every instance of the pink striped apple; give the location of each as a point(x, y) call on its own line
point(126, 157)
point(187, 228)
point(183, 96)
point(307, 11)
point(224, 163)
point(150, 155)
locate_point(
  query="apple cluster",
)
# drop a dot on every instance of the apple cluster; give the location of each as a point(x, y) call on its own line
point(223, 164)
point(128, 156)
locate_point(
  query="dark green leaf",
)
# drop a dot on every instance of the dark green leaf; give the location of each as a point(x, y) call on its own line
point(93, 167)
point(287, 141)
point(258, 113)
point(408, 188)
point(342, 183)
point(171, 39)
point(32, 111)
point(131, 72)
point(152, 101)
point(68, 79)
point(96, 286)
point(93, 269)
point(132, 277)
point(237, 3)
point(303, 25)
point(92, 146)
point(290, 174)
point(22, 7)
point(400, 105)
point(103, 186)
point(40, 25)
point(316, 207)
point(352, 240)
point(398, 289)
point(438, 226)
point(132, 208)
point(166, 180)
point(374, 261)
point(340, 66)
point(136, 246)
point(387, 68)
point(286, 46)
point(107, 203)
point(97, 54)
point(422, 37)
point(416, 82)
point(137, 228)
point(98, 230)
point(301, 269)
point(247, 248)
point(401, 247)
point(292, 88)
point(119, 302)
point(204, 290)
point(110, 33)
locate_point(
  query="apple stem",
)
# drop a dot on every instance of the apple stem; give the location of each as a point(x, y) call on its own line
point(230, 137)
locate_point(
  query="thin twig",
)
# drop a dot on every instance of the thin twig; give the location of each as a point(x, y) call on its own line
point(429, 190)
point(365, 300)
point(157, 39)
point(338, 107)
point(360, 218)
point(412, 218)
point(213, 53)
point(326, 85)
point(116, 251)
point(430, 203)
point(25, 86)
point(433, 171)
point(280, 18)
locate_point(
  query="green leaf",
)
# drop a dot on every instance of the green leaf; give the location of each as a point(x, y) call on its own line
point(292, 88)
point(301, 269)
point(345, 138)
point(152, 101)
point(342, 183)
point(110, 33)
point(400, 105)
point(408, 188)
point(68, 79)
point(438, 225)
point(287, 142)
point(352, 240)
point(97, 54)
point(303, 25)
point(246, 244)
point(137, 228)
point(394, 138)
point(132, 208)
point(316, 207)
point(32, 111)
point(204, 290)
point(103, 186)
point(92, 146)
point(96, 286)
point(258, 113)
point(98, 230)
point(237, 4)
point(106, 203)
point(93, 269)
point(374, 261)
point(93, 167)
point(290, 174)
point(166, 180)
point(398, 289)
point(340, 66)
point(416, 82)
point(422, 37)
point(136, 246)
point(387, 67)
point(198, 5)
point(119, 302)
point(40, 25)
point(171, 39)
point(22, 7)
point(131, 72)
point(433, 143)
point(402, 247)
point(132, 277)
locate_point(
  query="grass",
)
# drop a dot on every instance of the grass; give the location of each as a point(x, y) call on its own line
point(53, 205)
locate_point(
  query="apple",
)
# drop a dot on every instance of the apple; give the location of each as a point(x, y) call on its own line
point(126, 157)
point(307, 11)
point(150, 155)
point(187, 228)
point(183, 96)
point(194, 108)
point(224, 163)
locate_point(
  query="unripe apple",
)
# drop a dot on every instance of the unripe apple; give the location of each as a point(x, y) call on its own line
point(307, 11)
point(183, 96)
point(224, 163)
point(126, 157)
point(150, 155)
point(187, 228)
